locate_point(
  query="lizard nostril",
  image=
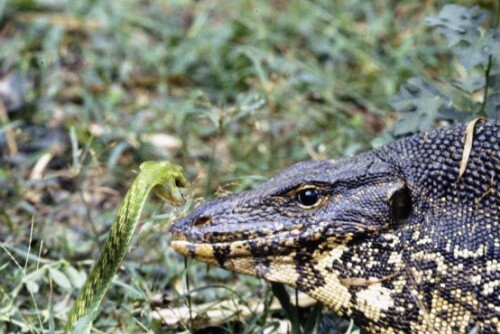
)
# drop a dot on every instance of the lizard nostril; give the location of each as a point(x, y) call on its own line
point(202, 221)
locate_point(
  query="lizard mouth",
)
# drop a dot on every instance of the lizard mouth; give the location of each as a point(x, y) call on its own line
point(216, 247)
point(250, 257)
point(240, 255)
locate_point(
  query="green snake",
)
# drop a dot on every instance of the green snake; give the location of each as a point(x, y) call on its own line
point(162, 177)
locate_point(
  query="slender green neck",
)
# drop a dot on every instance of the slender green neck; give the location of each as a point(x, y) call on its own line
point(164, 178)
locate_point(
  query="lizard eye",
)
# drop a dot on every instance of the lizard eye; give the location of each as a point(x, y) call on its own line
point(401, 205)
point(308, 197)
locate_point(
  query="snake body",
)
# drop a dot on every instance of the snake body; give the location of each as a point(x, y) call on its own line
point(164, 178)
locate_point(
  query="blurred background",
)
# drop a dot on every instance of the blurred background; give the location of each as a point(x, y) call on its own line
point(233, 91)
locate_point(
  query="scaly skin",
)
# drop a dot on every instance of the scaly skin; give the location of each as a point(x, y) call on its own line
point(394, 237)
point(164, 178)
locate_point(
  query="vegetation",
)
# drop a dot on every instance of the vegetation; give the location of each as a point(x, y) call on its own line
point(475, 92)
point(233, 91)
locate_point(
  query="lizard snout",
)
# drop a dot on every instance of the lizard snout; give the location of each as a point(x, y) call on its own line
point(192, 227)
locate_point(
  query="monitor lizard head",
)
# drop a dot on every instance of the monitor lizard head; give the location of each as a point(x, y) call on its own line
point(403, 239)
point(324, 227)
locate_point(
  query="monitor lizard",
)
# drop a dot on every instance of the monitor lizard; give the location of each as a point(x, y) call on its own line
point(400, 238)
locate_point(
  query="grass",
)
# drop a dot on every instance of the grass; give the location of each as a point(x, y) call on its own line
point(232, 91)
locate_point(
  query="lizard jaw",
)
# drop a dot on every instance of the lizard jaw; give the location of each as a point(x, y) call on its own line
point(212, 255)
point(269, 257)
point(204, 246)
point(237, 257)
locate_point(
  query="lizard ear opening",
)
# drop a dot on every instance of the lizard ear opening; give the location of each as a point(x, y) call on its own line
point(401, 205)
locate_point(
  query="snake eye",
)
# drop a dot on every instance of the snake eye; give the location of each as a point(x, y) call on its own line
point(308, 197)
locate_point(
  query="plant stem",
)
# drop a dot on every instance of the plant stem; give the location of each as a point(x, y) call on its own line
point(486, 84)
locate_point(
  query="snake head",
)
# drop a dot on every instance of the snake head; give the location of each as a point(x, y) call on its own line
point(168, 178)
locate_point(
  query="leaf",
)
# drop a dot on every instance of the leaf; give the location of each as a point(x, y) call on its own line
point(32, 287)
point(334, 324)
point(420, 104)
point(77, 278)
point(469, 52)
point(31, 280)
point(247, 103)
point(60, 279)
point(493, 106)
point(492, 42)
point(291, 310)
point(468, 138)
point(477, 48)
point(456, 22)
point(313, 319)
point(470, 84)
point(461, 26)
point(116, 154)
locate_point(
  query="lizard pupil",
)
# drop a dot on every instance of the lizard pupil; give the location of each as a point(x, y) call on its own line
point(401, 205)
point(308, 197)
